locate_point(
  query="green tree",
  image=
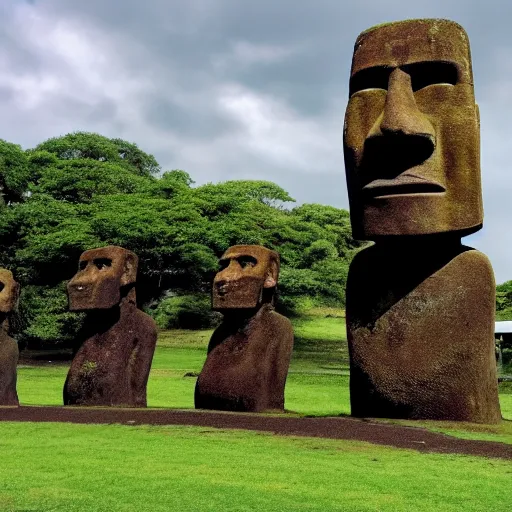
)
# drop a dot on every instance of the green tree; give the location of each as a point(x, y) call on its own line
point(84, 145)
point(45, 320)
point(87, 191)
point(504, 301)
point(79, 181)
point(14, 172)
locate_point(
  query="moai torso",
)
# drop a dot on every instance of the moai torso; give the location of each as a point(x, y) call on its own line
point(420, 306)
point(112, 365)
point(421, 338)
point(8, 347)
point(249, 353)
point(247, 364)
point(8, 362)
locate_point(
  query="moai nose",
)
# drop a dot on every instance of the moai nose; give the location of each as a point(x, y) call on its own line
point(401, 114)
point(79, 283)
point(402, 136)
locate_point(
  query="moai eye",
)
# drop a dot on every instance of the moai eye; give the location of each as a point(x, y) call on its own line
point(422, 75)
point(102, 263)
point(223, 264)
point(82, 265)
point(370, 78)
point(247, 261)
point(2, 286)
point(428, 73)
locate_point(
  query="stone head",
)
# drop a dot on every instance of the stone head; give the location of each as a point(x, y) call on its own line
point(103, 275)
point(247, 278)
point(9, 291)
point(412, 132)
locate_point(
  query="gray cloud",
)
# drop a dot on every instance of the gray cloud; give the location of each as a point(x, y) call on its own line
point(234, 90)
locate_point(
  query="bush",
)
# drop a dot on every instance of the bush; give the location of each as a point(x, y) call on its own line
point(43, 317)
point(324, 284)
point(296, 305)
point(318, 251)
point(185, 312)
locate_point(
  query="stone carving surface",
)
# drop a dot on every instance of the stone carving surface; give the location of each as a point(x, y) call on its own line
point(9, 292)
point(249, 353)
point(420, 305)
point(112, 365)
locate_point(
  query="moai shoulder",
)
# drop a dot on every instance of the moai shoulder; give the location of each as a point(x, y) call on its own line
point(112, 365)
point(9, 293)
point(249, 353)
point(420, 305)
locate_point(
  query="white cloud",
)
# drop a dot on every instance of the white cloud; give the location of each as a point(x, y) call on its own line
point(241, 91)
point(277, 133)
point(76, 63)
point(244, 54)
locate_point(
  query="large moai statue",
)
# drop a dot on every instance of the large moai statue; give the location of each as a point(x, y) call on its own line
point(112, 365)
point(420, 305)
point(249, 353)
point(9, 293)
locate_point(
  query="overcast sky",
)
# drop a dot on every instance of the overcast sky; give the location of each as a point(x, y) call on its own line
point(236, 89)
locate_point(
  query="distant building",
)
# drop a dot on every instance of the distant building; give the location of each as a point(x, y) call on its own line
point(504, 327)
point(503, 337)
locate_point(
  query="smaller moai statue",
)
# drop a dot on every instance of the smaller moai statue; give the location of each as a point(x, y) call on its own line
point(249, 353)
point(9, 293)
point(112, 365)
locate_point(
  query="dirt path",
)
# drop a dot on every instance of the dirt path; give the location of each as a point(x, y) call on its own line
point(331, 428)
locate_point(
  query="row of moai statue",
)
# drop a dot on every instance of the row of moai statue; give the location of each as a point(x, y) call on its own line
point(420, 305)
point(248, 355)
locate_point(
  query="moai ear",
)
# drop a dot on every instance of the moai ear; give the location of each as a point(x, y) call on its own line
point(272, 275)
point(129, 275)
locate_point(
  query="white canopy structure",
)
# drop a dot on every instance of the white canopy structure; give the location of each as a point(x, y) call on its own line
point(504, 327)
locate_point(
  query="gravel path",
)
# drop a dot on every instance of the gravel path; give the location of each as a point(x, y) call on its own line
point(331, 428)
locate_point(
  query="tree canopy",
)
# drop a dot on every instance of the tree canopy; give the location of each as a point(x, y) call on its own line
point(83, 190)
point(14, 172)
point(504, 301)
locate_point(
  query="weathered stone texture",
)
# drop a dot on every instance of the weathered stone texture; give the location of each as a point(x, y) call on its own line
point(420, 306)
point(112, 365)
point(9, 293)
point(421, 336)
point(249, 353)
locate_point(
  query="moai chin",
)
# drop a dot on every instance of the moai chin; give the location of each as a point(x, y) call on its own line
point(249, 353)
point(420, 305)
point(112, 365)
point(9, 293)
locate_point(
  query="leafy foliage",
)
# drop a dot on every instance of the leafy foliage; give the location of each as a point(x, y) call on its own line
point(44, 317)
point(79, 181)
point(504, 301)
point(83, 145)
point(84, 190)
point(186, 312)
point(14, 172)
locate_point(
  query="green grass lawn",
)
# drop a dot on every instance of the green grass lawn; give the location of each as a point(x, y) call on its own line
point(317, 383)
point(63, 467)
